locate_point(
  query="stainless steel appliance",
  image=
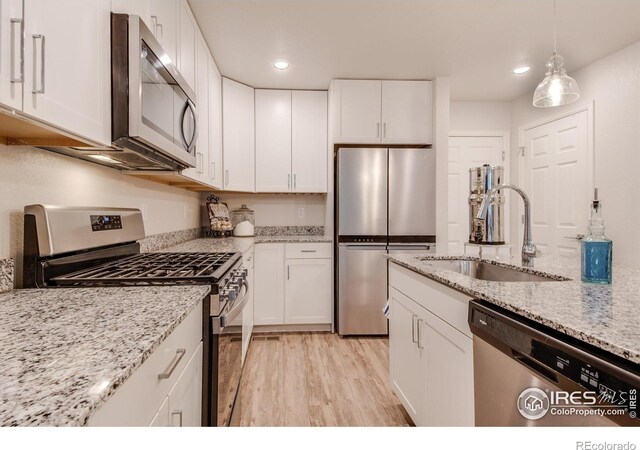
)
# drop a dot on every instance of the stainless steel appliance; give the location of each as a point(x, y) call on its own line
point(385, 203)
point(91, 246)
point(482, 180)
point(153, 109)
point(511, 355)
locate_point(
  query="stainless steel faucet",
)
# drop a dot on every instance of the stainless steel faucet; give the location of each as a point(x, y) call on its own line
point(529, 250)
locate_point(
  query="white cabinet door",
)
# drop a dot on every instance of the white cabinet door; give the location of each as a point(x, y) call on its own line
point(273, 140)
point(358, 111)
point(136, 7)
point(407, 359)
point(215, 125)
point(187, 44)
point(201, 171)
point(406, 112)
point(162, 14)
point(238, 136)
point(268, 308)
point(161, 419)
point(449, 396)
point(308, 291)
point(67, 65)
point(11, 53)
point(185, 399)
point(309, 141)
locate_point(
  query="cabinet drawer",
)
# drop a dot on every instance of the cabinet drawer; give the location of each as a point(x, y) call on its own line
point(442, 301)
point(136, 402)
point(306, 251)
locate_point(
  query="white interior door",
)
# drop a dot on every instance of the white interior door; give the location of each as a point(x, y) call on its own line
point(466, 152)
point(556, 176)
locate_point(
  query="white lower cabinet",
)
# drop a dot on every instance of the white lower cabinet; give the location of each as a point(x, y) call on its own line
point(430, 350)
point(407, 359)
point(166, 386)
point(185, 399)
point(292, 284)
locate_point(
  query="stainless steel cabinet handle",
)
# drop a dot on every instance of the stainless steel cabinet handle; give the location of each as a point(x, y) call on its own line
point(289, 181)
point(378, 130)
point(384, 130)
point(288, 274)
point(178, 413)
point(420, 346)
point(413, 328)
point(294, 181)
point(199, 162)
point(212, 174)
point(20, 78)
point(159, 33)
point(40, 37)
point(308, 251)
point(226, 177)
point(154, 24)
point(173, 364)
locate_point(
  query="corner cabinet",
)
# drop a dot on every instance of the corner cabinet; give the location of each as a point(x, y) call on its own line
point(238, 136)
point(291, 141)
point(293, 284)
point(430, 350)
point(382, 112)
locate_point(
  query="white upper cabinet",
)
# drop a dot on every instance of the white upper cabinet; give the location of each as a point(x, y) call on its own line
point(201, 171)
point(273, 141)
point(187, 43)
point(162, 15)
point(139, 8)
point(215, 126)
point(406, 112)
point(309, 141)
point(387, 112)
point(358, 111)
point(11, 53)
point(291, 141)
point(238, 136)
point(67, 56)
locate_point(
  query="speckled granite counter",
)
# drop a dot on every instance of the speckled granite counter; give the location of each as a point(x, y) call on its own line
point(238, 244)
point(604, 316)
point(65, 351)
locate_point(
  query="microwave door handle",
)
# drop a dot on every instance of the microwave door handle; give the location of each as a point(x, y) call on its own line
point(189, 145)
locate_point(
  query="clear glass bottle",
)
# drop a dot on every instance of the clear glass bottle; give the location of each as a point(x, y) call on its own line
point(597, 249)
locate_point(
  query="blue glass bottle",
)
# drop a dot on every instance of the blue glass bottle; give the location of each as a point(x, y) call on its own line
point(597, 249)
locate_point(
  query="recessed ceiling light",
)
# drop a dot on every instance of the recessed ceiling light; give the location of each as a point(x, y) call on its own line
point(281, 64)
point(521, 70)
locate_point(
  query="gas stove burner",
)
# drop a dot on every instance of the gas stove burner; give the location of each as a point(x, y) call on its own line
point(153, 269)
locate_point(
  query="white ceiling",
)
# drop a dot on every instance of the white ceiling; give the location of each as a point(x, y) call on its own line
point(474, 42)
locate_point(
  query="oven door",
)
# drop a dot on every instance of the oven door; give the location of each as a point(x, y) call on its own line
point(153, 107)
point(230, 357)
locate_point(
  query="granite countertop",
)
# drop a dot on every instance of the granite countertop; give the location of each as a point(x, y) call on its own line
point(237, 244)
point(65, 351)
point(605, 316)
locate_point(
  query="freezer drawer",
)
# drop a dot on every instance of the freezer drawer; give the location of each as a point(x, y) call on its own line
point(362, 290)
point(362, 191)
point(412, 192)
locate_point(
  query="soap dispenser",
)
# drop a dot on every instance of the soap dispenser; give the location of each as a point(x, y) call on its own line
point(597, 249)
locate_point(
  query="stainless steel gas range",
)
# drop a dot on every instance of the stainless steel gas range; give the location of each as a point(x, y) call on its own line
point(97, 247)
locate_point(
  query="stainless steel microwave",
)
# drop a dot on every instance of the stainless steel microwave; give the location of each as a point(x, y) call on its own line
point(154, 116)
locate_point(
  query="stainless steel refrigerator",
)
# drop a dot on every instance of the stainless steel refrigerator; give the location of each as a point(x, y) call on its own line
point(385, 203)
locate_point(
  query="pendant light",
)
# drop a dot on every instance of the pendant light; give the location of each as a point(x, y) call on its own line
point(557, 88)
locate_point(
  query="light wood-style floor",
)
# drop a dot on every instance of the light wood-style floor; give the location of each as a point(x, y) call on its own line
point(317, 379)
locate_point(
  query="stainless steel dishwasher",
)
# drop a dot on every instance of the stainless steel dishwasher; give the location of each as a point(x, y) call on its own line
point(526, 374)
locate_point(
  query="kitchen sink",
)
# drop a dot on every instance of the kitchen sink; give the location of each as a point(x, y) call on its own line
point(487, 272)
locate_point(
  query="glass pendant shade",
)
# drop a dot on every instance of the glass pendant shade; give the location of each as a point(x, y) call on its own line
point(557, 88)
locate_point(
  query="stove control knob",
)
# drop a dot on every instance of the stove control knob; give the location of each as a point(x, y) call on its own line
point(233, 292)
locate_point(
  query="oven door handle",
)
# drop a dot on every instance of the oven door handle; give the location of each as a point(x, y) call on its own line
point(237, 307)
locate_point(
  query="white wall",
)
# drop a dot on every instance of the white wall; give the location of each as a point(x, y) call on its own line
point(480, 116)
point(280, 209)
point(441, 103)
point(613, 84)
point(29, 176)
